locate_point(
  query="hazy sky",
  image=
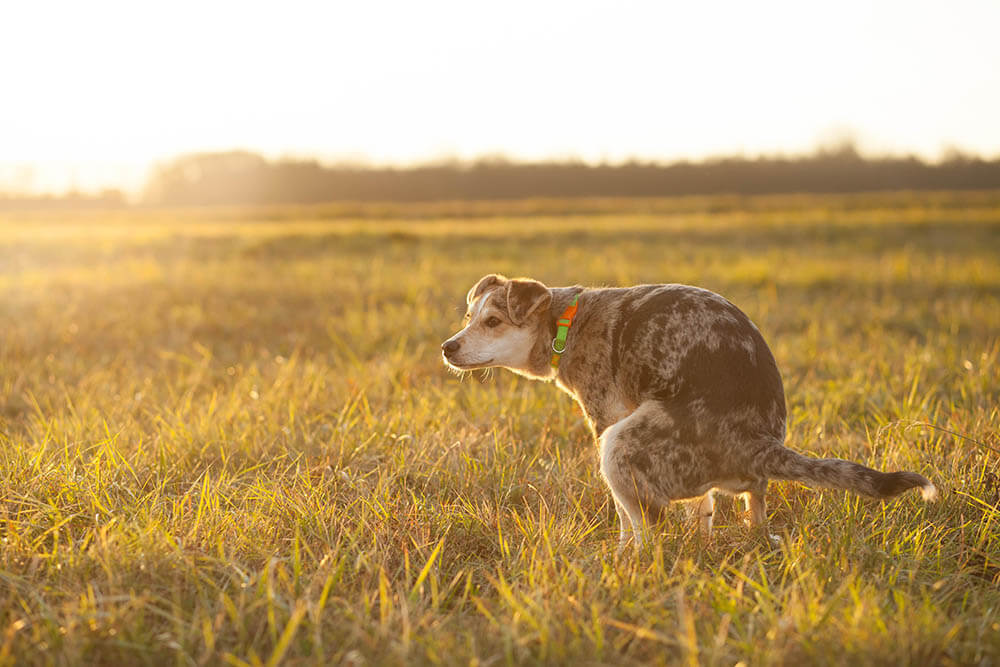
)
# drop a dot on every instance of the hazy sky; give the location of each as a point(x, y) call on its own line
point(93, 92)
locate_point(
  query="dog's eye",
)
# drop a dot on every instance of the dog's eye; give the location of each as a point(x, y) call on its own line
point(492, 321)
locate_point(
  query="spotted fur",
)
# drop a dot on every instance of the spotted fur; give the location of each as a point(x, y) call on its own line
point(678, 386)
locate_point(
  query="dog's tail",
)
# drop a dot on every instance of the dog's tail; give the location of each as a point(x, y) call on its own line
point(779, 462)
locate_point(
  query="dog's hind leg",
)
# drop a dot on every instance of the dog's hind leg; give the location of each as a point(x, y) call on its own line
point(756, 504)
point(702, 510)
point(625, 529)
point(640, 462)
point(624, 485)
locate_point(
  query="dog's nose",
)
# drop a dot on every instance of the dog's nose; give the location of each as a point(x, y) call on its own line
point(450, 347)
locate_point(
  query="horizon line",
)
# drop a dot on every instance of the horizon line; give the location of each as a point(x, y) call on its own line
point(144, 171)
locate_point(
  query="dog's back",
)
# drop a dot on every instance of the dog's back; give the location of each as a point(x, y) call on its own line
point(706, 372)
point(691, 350)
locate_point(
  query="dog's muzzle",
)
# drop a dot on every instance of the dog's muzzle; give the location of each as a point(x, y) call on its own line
point(450, 347)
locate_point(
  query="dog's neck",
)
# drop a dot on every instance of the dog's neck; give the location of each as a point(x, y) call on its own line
point(562, 297)
point(541, 356)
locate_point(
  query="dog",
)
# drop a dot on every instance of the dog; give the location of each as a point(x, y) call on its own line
point(680, 391)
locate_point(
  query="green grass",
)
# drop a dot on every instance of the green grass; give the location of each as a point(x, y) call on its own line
point(227, 436)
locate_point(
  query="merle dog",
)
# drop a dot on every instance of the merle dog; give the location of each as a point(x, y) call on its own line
point(677, 384)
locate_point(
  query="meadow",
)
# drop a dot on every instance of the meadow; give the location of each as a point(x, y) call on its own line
point(227, 437)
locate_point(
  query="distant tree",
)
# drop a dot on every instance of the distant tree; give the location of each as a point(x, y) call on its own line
point(208, 178)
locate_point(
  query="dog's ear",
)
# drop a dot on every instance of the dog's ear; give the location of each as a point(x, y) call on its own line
point(484, 284)
point(524, 297)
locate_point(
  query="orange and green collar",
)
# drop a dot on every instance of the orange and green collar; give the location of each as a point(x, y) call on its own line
point(563, 324)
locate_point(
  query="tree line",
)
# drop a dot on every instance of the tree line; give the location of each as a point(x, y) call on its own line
point(244, 178)
point(247, 178)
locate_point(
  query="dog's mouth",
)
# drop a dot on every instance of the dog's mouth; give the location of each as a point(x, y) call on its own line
point(467, 366)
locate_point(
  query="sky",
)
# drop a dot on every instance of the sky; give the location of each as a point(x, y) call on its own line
point(93, 93)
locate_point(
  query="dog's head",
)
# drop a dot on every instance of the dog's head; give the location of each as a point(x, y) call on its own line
point(503, 323)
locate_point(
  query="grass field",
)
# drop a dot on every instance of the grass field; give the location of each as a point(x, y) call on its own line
point(226, 436)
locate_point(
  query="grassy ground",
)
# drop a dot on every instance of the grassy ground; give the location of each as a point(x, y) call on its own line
point(227, 436)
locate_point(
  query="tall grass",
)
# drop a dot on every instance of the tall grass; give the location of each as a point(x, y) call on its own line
point(226, 437)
